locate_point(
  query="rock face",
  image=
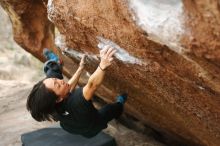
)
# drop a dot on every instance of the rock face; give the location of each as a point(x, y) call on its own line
point(168, 56)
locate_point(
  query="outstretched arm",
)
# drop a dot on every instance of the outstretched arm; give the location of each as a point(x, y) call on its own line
point(97, 77)
point(75, 78)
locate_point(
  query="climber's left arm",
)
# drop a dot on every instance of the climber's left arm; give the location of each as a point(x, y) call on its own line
point(75, 78)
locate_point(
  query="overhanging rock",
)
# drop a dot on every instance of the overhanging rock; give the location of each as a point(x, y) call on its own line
point(168, 56)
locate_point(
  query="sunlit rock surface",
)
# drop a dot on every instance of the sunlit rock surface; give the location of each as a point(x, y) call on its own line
point(168, 57)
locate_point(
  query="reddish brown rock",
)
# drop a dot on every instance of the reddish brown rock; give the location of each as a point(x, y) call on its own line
point(170, 64)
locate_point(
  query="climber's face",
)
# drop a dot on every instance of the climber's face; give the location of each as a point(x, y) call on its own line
point(59, 87)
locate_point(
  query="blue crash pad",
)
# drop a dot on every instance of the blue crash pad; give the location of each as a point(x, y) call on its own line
point(59, 137)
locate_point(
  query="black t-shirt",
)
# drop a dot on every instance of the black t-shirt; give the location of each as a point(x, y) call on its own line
point(76, 115)
point(79, 116)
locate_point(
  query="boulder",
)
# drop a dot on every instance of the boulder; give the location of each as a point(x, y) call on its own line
point(168, 57)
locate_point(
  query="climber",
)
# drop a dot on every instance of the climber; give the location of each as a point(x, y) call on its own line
point(53, 99)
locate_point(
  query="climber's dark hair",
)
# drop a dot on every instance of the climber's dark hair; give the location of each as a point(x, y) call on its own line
point(41, 103)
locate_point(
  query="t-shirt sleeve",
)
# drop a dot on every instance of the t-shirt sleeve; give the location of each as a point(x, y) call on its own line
point(79, 103)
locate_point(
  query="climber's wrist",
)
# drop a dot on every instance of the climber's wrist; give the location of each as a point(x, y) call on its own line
point(102, 67)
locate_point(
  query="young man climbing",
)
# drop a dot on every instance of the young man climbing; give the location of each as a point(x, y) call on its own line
point(54, 99)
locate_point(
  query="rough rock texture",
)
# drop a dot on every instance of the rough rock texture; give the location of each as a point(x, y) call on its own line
point(169, 68)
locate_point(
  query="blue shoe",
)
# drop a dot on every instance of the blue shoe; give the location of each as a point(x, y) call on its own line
point(122, 98)
point(49, 55)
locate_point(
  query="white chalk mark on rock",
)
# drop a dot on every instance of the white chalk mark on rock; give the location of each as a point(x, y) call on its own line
point(121, 53)
point(77, 55)
point(50, 8)
point(163, 20)
point(60, 40)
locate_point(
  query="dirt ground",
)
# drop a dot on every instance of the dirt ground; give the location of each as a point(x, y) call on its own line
point(16, 79)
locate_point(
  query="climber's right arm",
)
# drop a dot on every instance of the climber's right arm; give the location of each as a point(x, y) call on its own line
point(97, 77)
